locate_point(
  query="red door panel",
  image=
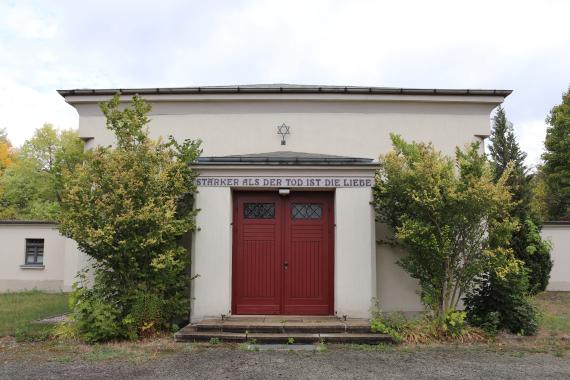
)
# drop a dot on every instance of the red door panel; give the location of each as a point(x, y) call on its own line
point(257, 254)
point(307, 285)
point(283, 253)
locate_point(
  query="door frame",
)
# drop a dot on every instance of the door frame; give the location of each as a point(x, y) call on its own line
point(331, 236)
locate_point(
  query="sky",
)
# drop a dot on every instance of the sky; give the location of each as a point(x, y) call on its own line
point(501, 44)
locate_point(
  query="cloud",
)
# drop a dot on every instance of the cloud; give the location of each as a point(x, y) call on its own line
point(21, 20)
point(531, 136)
point(24, 109)
point(521, 45)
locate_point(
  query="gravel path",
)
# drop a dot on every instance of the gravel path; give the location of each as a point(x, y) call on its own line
point(333, 364)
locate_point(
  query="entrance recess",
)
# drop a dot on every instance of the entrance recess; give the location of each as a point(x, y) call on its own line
point(283, 253)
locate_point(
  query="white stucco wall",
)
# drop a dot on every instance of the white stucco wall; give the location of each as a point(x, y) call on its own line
point(559, 236)
point(396, 290)
point(61, 259)
point(212, 254)
point(353, 126)
point(355, 256)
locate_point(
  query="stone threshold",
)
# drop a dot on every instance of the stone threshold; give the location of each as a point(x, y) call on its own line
point(282, 329)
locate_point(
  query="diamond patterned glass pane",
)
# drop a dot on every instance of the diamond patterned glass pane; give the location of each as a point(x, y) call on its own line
point(306, 211)
point(259, 211)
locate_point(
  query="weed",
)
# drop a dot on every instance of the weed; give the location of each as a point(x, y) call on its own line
point(215, 340)
point(66, 331)
point(188, 347)
point(63, 359)
point(103, 353)
point(321, 347)
point(370, 347)
point(33, 332)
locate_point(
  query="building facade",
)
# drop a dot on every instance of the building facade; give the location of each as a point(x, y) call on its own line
point(33, 255)
point(286, 224)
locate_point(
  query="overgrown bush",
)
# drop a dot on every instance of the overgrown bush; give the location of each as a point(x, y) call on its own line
point(453, 324)
point(425, 329)
point(501, 301)
point(97, 315)
point(535, 253)
point(128, 208)
point(448, 215)
point(393, 324)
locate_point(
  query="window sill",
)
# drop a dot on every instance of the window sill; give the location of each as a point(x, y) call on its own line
point(32, 266)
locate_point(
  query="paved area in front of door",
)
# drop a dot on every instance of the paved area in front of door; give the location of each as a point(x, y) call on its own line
point(335, 363)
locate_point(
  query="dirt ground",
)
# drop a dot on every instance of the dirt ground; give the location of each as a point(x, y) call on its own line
point(178, 361)
point(545, 356)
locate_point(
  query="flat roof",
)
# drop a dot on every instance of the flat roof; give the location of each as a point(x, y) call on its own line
point(556, 223)
point(15, 221)
point(283, 88)
point(285, 158)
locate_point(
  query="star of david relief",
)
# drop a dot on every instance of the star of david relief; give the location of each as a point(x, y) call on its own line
point(283, 130)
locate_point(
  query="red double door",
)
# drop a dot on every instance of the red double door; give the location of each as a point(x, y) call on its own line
point(283, 253)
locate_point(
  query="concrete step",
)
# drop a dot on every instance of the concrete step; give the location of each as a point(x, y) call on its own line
point(244, 326)
point(191, 334)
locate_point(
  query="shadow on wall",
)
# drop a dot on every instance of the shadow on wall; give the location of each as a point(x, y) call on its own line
point(395, 289)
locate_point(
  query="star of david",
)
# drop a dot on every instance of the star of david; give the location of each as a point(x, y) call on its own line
point(283, 130)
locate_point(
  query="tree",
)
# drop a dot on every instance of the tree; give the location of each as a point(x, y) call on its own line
point(539, 200)
point(526, 242)
point(42, 147)
point(28, 192)
point(6, 160)
point(556, 158)
point(54, 151)
point(6, 153)
point(33, 183)
point(504, 151)
point(127, 208)
point(450, 217)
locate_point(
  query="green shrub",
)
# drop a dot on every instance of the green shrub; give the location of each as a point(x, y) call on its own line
point(535, 253)
point(129, 207)
point(98, 319)
point(502, 302)
point(448, 215)
point(425, 329)
point(491, 323)
point(65, 331)
point(146, 315)
point(383, 326)
point(392, 324)
point(453, 323)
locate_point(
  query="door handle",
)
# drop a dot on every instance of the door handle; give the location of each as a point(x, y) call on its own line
point(285, 265)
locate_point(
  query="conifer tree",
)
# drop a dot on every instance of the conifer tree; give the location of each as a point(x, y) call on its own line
point(556, 158)
point(526, 242)
point(503, 150)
